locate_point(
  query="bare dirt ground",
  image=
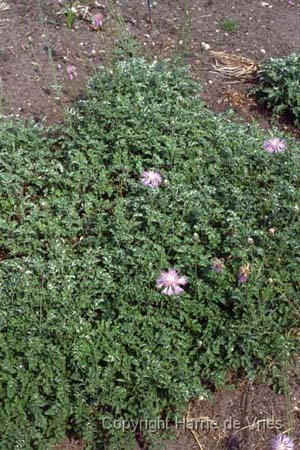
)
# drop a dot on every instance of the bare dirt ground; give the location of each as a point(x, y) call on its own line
point(36, 48)
point(252, 414)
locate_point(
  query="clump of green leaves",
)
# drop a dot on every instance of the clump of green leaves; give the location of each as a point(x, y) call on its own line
point(279, 86)
point(86, 338)
point(70, 16)
point(229, 25)
point(70, 12)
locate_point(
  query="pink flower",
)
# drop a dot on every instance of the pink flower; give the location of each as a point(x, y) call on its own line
point(98, 20)
point(244, 274)
point(243, 278)
point(281, 442)
point(150, 178)
point(275, 145)
point(71, 71)
point(218, 265)
point(170, 281)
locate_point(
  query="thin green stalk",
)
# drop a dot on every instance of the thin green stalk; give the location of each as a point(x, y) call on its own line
point(54, 86)
point(126, 42)
point(1, 97)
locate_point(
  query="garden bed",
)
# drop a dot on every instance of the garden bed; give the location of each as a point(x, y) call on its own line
point(39, 47)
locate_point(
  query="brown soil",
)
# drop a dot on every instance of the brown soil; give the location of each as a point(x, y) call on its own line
point(36, 48)
point(70, 445)
point(31, 29)
point(251, 414)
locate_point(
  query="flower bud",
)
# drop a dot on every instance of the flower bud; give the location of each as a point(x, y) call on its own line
point(196, 237)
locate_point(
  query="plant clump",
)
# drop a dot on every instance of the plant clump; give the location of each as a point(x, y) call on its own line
point(142, 196)
point(279, 86)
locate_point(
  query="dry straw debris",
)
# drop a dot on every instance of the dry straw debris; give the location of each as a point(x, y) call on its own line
point(234, 67)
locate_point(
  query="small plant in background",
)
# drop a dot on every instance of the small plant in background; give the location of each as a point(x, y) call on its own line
point(74, 9)
point(128, 45)
point(279, 86)
point(184, 37)
point(54, 87)
point(70, 15)
point(229, 25)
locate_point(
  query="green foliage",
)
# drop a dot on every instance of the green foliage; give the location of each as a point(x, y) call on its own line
point(85, 335)
point(70, 16)
point(229, 25)
point(279, 86)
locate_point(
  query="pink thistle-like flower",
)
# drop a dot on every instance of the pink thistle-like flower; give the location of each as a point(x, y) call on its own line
point(275, 145)
point(152, 179)
point(170, 281)
point(218, 265)
point(281, 442)
point(98, 20)
point(244, 274)
point(71, 71)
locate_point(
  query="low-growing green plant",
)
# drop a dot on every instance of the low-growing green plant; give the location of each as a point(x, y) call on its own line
point(87, 339)
point(279, 86)
point(229, 25)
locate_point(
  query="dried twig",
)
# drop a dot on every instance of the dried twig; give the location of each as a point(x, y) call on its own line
point(196, 439)
point(187, 419)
